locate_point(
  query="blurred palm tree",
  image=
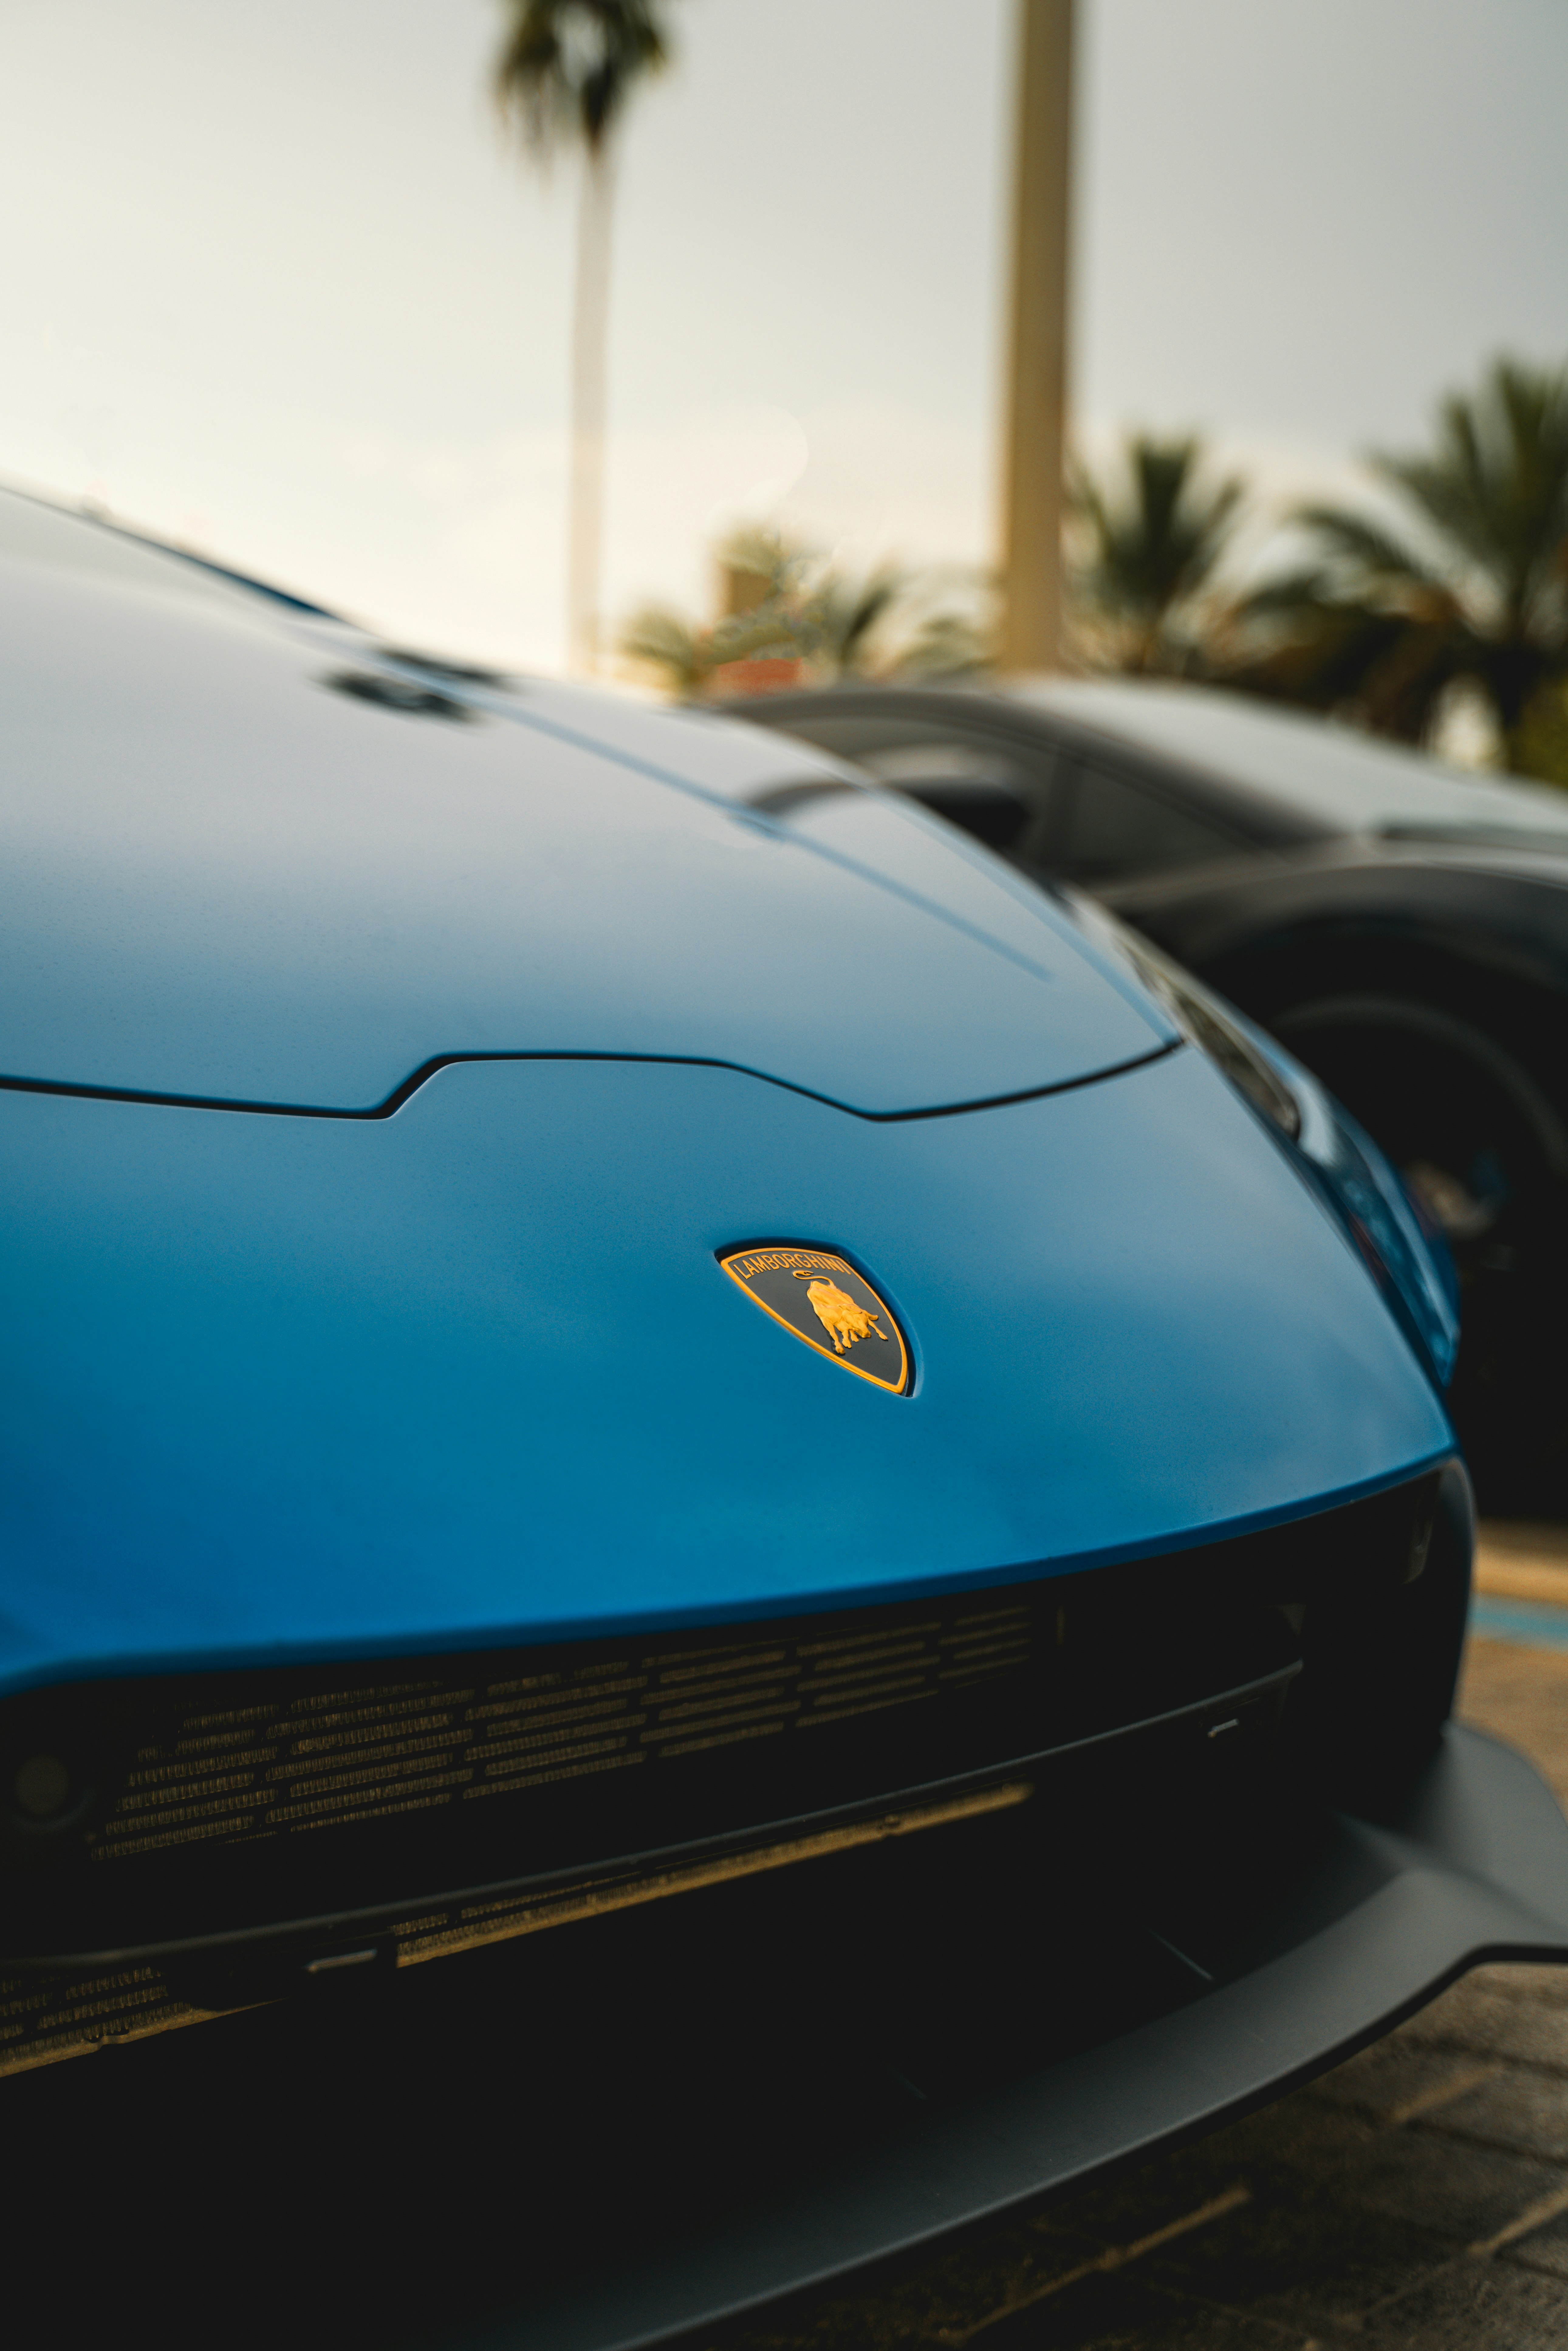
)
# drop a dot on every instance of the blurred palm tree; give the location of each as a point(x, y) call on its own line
point(759, 568)
point(565, 72)
point(685, 656)
point(784, 602)
point(952, 643)
point(678, 652)
point(842, 618)
point(1150, 538)
point(1387, 618)
point(801, 601)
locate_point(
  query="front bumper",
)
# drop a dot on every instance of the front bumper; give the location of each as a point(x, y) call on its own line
point(1474, 1868)
point(631, 2129)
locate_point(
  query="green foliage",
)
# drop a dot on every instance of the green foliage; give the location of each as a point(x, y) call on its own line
point(1459, 581)
point(1471, 584)
point(892, 623)
point(567, 67)
point(683, 655)
point(1540, 742)
point(659, 639)
point(1149, 540)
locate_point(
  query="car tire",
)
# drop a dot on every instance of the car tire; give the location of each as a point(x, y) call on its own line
point(1484, 1153)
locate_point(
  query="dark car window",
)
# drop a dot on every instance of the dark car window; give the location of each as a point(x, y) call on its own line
point(1111, 827)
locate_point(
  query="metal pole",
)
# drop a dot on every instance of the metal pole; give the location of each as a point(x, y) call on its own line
point(1036, 392)
point(590, 346)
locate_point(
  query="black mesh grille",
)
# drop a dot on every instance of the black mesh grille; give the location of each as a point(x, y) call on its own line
point(456, 1779)
point(335, 1757)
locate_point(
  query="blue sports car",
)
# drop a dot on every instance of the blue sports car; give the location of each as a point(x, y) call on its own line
point(729, 1539)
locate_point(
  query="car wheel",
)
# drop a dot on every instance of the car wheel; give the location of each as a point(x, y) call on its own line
point(1484, 1153)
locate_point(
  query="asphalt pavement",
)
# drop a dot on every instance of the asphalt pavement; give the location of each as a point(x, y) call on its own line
point(1417, 2196)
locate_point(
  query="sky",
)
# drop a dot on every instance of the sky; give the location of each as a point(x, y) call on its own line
point(275, 283)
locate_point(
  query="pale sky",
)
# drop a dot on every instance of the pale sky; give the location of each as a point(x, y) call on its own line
point(274, 284)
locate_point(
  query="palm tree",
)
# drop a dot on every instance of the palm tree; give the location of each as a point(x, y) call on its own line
point(679, 652)
point(786, 602)
point(566, 71)
point(841, 617)
point(1386, 617)
point(1149, 546)
point(892, 622)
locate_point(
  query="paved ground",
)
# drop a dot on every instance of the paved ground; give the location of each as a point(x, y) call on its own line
point(1417, 2196)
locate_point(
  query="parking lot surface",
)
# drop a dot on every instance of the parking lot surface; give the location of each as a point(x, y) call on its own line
point(1417, 2195)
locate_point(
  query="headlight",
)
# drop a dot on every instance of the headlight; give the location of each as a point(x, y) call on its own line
point(1410, 1264)
point(1220, 1033)
point(1413, 1265)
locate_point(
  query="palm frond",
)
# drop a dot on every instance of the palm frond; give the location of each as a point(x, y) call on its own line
point(765, 554)
point(1382, 621)
point(843, 616)
point(566, 69)
point(1357, 544)
point(1307, 588)
point(1154, 533)
point(663, 641)
point(947, 644)
point(891, 622)
point(1495, 486)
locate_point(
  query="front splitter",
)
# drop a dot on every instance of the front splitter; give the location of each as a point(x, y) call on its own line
point(1475, 1868)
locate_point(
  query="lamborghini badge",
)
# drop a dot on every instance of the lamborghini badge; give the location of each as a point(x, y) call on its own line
point(827, 1303)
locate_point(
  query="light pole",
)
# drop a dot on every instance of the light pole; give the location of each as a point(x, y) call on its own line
point(1036, 384)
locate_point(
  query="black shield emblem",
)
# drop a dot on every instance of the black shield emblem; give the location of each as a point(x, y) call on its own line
point(824, 1302)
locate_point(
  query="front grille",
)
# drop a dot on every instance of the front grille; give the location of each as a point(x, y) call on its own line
point(225, 1805)
point(337, 1757)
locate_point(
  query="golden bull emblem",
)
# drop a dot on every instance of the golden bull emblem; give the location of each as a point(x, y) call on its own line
point(824, 1302)
point(840, 1317)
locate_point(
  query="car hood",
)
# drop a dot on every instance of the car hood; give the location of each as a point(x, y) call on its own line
point(246, 862)
point(473, 1374)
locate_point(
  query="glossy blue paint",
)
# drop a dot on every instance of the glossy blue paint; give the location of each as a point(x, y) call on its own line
point(223, 877)
point(471, 1374)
